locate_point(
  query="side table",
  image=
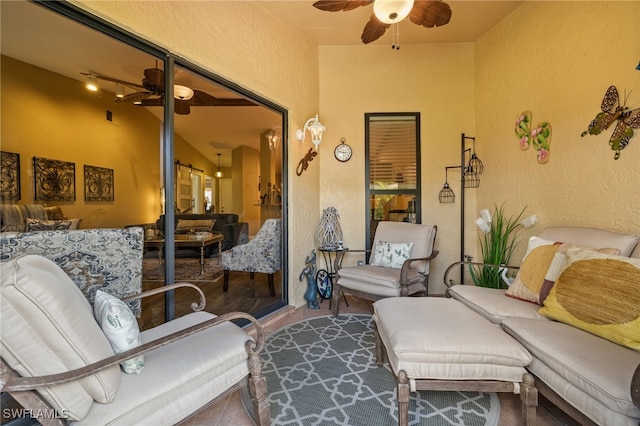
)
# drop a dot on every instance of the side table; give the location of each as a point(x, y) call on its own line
point(325, 277)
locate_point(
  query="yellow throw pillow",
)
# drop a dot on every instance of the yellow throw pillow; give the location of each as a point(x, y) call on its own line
point(598, 293)
point(528, 282)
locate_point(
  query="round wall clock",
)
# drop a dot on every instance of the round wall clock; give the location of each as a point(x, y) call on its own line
point(343, 151)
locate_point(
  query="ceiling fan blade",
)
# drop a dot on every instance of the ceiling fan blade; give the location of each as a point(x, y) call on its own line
point(373, 30)
point(430, 13)
point(201, 98)
point(153, 80)
point(134, 97)
point(153, 102)
point(181, 107)
point(340, 5)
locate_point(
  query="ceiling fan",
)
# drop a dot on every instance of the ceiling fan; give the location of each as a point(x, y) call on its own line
point(428, 13)
point(151, 93)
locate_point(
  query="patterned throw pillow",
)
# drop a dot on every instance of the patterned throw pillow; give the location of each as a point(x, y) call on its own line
point(120, 327)
point(199, 225)
point(539, 268)
point(51, 225)
point(598, 293)
point(390, 255)
point(528, 282)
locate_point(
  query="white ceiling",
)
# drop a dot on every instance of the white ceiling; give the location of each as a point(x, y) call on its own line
point(68, 48)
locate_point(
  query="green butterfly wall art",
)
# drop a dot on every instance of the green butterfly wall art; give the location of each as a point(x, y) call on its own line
point(612, 111)
point(539, 136)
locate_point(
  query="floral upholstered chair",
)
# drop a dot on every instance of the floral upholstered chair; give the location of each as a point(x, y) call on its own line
point(261, 254)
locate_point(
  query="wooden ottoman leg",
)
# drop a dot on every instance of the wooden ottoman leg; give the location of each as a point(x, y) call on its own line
point(403, 398)
point(529, 398)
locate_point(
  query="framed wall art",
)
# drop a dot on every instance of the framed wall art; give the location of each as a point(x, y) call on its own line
point(54, 180)
point(98, 184)
point(9, 176)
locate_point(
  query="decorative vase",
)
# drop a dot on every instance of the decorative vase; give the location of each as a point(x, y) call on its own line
point(329, 232)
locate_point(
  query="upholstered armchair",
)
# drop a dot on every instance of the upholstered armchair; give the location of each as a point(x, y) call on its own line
point(261, 254)
point(399, 264)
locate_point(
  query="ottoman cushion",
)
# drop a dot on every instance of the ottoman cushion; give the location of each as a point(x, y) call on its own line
point(437, 338)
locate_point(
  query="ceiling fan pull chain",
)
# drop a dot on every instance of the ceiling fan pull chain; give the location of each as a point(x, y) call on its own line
point(395, 31)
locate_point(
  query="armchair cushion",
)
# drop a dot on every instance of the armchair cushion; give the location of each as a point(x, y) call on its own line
point(178, 379)
point(378, 280)
point(391, 255)
point(48, 327)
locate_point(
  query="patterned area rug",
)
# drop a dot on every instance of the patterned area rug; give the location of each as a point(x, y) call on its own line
point(186, 270)
point(322, 371)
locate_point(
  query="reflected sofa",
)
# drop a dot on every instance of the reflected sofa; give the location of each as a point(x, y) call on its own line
point(19, 217)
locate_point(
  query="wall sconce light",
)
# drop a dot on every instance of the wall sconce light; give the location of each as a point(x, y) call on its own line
point(183, 93)
point(92, 83)
point(219, 172)
point(315, 129)
point(274, 138)
point(392, 11)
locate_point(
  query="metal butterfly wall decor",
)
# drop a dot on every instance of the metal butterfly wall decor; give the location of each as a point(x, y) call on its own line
point(540, 136)
point(612, 111)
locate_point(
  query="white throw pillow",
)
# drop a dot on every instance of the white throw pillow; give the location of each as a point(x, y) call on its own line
point(120, 327)
point(390, 255)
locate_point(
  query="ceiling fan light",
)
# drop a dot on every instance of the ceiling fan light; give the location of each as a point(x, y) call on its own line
point(392, 11)
point(92, 83)
point(119, 90)
point(183, 93)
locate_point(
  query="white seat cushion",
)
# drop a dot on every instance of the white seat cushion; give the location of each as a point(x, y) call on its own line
point(377, 280)
point(603, 369)
point(48, 327)
point(437, 338)
point(179, 378)
point(494, 304)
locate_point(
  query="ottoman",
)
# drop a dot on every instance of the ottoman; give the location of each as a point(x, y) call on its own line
point(440, 344)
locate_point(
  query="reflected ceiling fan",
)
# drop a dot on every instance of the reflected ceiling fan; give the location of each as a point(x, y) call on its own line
point(151, 93)
point(428, 13)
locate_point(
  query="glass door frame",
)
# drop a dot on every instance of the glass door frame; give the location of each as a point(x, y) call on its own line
point(170, 61)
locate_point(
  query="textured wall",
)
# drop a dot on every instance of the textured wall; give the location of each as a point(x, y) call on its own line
point(557, 59)
point(435, 80)
point(243, 43)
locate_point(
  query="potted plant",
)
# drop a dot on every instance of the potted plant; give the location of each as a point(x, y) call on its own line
point(499, 236)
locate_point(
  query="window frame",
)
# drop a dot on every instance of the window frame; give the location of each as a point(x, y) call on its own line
point(369, 192)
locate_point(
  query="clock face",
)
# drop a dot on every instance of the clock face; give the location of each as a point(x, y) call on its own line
point(343, 152)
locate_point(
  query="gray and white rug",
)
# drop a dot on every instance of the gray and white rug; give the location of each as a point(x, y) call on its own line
point(322, 371)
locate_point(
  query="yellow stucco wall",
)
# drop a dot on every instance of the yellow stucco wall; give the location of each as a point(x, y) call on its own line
point(243, 43)
point(65, 122)
point(557, 59)
point(435, 80)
